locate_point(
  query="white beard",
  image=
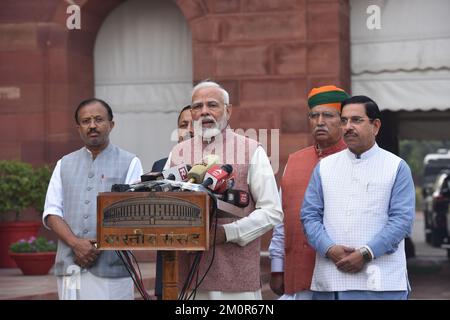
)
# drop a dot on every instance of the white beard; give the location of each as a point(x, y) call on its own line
point(208, 133)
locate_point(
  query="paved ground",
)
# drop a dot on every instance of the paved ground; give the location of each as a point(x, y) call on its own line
point(14, 285)
point(429, 272)
point(429, 275)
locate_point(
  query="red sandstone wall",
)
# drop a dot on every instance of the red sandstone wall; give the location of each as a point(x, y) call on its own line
point(267, 53)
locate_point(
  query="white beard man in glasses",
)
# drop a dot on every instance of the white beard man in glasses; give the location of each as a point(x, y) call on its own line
point(235, 270)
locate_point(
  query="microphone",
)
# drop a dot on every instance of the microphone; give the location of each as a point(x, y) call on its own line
point(216, 177)
point(197, 173)
point(185, 186)
point(140, 186)
point(151, 176)
point(120, 187)
point(180, 172)
point(162, 187)
point(239, 198)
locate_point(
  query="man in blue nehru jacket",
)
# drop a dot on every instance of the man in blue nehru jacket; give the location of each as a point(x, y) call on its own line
point(358, 209)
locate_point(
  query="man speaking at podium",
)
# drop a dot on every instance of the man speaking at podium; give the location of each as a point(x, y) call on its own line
point(235, 269)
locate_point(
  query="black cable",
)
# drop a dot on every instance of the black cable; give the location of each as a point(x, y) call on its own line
point(213, 212)
point(194, 270)
point(137, 278)
point(137, 264)
point(128, 269)
point(138, 275)
point(195, 291)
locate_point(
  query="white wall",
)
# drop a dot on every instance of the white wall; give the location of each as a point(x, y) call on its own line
point(143, 69)
point(404, 65)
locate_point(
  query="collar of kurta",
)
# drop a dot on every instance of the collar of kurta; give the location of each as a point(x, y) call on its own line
point(365, 155)
point(104, 151)
point(223, 133)
point(322, 153)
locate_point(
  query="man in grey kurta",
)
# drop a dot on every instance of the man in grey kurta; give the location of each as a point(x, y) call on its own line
point(82, 271)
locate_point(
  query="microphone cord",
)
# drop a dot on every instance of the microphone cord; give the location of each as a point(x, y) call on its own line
point(196, 263)
point(136, 276)
point(194, 269)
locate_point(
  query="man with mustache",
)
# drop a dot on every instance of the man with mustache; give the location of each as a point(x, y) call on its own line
point(231, 270)
point(359, 201)
point(82, 271)
point(292, 259)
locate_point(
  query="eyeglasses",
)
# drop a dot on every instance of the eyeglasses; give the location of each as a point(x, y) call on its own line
point(354, 120)
point(211, 105)
point(326, 115)
point(87, 121)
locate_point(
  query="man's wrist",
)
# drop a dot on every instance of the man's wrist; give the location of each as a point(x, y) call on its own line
point(367, 256)
point(328, 251)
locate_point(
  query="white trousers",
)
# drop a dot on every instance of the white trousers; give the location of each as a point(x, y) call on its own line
point(86, 286)
point(300, 295)
point(221, 295)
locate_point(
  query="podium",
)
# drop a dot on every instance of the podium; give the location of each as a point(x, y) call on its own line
point(167, 221)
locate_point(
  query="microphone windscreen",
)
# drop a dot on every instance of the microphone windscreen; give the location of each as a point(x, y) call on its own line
point(228, 168)
point(216, 177)
point(210, 160)
point(197, 173)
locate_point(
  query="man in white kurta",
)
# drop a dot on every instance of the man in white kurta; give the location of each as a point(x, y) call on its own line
point(235, 260)
point(71, 211)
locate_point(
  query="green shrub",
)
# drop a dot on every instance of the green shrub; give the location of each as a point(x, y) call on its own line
point(22, 187)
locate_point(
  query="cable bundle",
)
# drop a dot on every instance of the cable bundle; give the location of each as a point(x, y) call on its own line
point(128, 258)
point(194, 271)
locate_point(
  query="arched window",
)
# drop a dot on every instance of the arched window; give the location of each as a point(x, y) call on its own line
point(143, 68)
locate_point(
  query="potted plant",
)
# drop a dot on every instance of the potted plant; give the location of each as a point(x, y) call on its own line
point(22, 187)
point(34, 256)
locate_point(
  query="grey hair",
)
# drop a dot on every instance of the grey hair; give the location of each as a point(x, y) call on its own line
point(212, 84)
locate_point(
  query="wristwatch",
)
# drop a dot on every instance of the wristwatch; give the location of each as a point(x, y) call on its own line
point(365, 254)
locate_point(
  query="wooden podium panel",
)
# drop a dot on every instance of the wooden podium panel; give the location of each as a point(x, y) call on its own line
point(153, 221)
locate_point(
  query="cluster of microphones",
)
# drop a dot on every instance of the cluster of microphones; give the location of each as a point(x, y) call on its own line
point(219, 179)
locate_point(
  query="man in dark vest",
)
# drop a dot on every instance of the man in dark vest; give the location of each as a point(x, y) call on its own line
point(185, 131)
point(82, 271)
point(292, 258)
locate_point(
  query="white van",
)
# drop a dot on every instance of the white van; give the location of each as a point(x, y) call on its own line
point(433, 164)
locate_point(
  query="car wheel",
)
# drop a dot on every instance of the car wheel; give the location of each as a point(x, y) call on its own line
point(427, 237)
point(436, 237)
point(427, 226)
